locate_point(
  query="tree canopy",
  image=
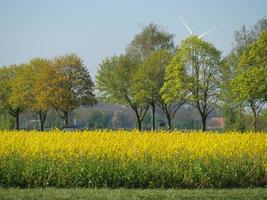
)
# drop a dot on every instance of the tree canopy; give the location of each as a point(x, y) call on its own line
point(250, 85)
point(195, 74)
point(114, 81)
point(65, 84)
point(7, 76)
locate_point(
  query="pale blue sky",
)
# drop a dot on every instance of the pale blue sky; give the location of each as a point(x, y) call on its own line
point(99, 28)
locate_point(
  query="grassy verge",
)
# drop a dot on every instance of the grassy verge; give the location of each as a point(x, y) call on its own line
point(121, 194)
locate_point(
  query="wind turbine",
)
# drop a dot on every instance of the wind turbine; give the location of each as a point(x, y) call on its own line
point(190, 31)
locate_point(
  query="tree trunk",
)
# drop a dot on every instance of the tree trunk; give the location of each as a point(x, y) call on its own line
point(17, 120)
point(138, 118)
point(169, 120)
point(255, 120)
point(204, 120)
point(66, 118)
point(42, 118)
point(15, 113)
point(139, 124)
point(153, 108)
point(42, 125)
point(139, 115)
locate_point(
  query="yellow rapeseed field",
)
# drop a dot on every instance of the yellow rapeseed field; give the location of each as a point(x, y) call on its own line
point(134, 144)
point(198, 153)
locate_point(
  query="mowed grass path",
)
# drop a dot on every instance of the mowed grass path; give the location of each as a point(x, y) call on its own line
point(130, 194)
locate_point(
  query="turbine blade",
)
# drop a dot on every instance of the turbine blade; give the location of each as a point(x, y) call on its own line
point(203, 34)
point(187, 27)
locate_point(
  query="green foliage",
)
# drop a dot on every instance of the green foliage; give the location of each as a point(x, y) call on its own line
point(149, 79)
point(233, 108)
point(25, 90)
point(250, 85)
point(150, 76)
point(115, 78)
point(252, 70)
point(172, 88)
point(92, 172)
point(151, 39)
point(139, 79)
point(194, 74)
point(21, 87)
point(7, 76)
point(114, 81)
point(148, 48)
point(24, 86)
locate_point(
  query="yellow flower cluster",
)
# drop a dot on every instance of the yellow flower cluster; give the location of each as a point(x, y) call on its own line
point(133, 144)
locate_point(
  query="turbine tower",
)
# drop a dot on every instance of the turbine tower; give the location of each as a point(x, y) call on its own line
point(191, 32)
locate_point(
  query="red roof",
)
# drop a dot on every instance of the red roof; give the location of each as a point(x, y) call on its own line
point(215, 123)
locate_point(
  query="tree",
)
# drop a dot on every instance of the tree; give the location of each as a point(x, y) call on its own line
point(250, 85)
point(7, 75)
point(40, 107)
point(151, 40)
point(115, 76)
point(245, 37)
point(65, 85)
point(25, 89)
point(114, 81)
point(195, 73)
point(149, 79)
point(233, 110)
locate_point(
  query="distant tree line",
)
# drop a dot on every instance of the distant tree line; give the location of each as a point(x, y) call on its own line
point(152, 75)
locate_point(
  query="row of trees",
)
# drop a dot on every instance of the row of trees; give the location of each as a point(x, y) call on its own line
point(154, 72)
point(62, 83)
